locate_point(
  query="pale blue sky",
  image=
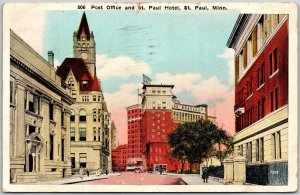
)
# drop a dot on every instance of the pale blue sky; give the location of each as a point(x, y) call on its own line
point(169, 41)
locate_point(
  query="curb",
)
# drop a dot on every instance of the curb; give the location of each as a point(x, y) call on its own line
point(80, 181)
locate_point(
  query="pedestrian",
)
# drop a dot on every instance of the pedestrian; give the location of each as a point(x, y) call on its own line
point(88, 172)
point(81, 173)
point(205, 174)
point(106, 171)
point(160, 170)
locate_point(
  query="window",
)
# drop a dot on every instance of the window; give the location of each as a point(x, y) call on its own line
point(82, 134)
point(273, 61)
point(72, 133)
point(51, 111)
point(271, 101)
point(99, 133)
point(258, 110)
point(62, 119)
point(99, 110)
point(72, 117)
point(95, 133)
point(94, 98)
point(73, 94)
point(82, 160)
point(276, 140)
point(99, 118)
point(94, 118)
point(51, 147)
point(62, 149)
point(82, 116)
point(84, 84)
point(257, 150)
point(249, 152)
point(99, 98)
point(276, 98)
point(263, 107)
point(71, 82)
point(261, 75)
point(11, 92)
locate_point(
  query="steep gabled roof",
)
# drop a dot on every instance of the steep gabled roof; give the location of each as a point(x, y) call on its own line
point(83, 27)
point(76, 65)
point(80, 71)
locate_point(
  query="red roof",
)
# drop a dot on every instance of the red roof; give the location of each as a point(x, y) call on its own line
point(81, 73)
point(83, 27)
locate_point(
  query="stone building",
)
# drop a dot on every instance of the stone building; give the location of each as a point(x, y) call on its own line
point(260, 42)
point(90, 120)
point(39, 116)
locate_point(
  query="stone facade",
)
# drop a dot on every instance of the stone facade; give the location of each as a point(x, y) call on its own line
point(90, 120)
point(39, 117)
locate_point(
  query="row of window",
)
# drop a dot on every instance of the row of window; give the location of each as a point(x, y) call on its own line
point(259, 148)
point(186, 116)
point(257, 38)
point(248, 118)
point(190, 108)
point(85, 98)
point(260, 76)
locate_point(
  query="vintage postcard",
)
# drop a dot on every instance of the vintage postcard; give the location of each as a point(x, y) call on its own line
point(150, 97)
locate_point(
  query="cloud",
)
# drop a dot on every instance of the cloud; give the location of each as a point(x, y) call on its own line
point(33, 34)
point(207, 91)
point(122, 66)
point(117, 103)
point(228, 55)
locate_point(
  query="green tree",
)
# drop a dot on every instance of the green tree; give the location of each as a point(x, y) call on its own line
point(192, 141)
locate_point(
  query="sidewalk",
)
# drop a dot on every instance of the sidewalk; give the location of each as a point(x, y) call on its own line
point(75, 179)
point(195, 179)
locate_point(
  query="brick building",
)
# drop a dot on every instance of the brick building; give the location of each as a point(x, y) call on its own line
point(134, 116)
point(260, 42)
point(162, 113)
point(119, 158)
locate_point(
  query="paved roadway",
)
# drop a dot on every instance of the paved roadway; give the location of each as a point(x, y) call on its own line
point(131, 178)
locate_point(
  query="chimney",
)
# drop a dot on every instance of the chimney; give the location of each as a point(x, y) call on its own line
point(51, 58)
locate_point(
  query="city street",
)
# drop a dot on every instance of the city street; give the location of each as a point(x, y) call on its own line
point(131, 178)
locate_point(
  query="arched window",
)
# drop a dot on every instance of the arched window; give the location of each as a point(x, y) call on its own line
point(72, 118)
point(71, 82)
point(82, 116)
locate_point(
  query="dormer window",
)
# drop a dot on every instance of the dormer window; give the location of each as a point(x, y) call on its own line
point(84, 84)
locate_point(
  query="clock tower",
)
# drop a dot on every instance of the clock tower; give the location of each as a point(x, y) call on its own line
point(84, 45)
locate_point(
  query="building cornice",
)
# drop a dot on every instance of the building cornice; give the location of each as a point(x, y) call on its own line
point(18, 64)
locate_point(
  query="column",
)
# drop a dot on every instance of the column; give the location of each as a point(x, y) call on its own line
point(228, 170)
point(20, 121)
point(239, 165)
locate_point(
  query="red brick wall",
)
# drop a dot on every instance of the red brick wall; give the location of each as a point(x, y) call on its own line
point(134, 133)
point(279, 80)
point(156, 125)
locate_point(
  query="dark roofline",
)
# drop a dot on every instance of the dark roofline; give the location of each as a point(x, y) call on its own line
point(156, 85)
point(235, 30)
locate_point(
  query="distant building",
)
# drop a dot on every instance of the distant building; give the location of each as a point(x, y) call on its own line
point(114, 135)
point(90, 125)
point(39, 116)
point(261, 108)
point(119, 158)
point(134, 116)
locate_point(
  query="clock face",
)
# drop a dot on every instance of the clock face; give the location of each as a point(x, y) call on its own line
point(84, 56)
